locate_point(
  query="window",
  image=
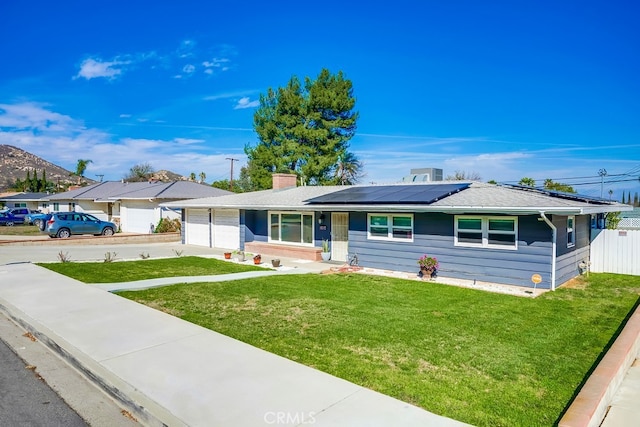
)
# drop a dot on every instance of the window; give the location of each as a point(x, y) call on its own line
point(56, 207)
point(291, 227)
point(20, 205)
point(72, 206)
point(571, 234)
point(390, 227)
point(486, 232)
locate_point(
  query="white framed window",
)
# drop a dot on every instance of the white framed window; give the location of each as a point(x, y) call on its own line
point(396, 227)
point(291, 227)
point(56, 206)
point(499, 232)
point(20, 205)
point(72, 207)
point(571, 233)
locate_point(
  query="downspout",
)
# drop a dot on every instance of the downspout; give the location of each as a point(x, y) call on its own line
point(554, 238)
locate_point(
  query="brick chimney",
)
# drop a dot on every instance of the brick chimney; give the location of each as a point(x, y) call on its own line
point(284, 180)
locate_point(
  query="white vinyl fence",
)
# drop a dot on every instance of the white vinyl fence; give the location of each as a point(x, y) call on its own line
point(629, 223)
point(615, 251)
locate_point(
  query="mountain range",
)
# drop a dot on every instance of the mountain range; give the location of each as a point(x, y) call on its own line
point(16, 162)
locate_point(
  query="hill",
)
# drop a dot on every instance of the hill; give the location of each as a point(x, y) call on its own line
point(15, 162)
point(167, 176)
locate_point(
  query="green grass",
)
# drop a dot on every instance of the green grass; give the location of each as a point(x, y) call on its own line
point(20, 230)
point(482, 358)
point(115, 272)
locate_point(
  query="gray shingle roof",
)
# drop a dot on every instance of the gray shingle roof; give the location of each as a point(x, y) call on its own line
point(286, 198)
point(477, 198)
point(114, 190)
point(26, 197)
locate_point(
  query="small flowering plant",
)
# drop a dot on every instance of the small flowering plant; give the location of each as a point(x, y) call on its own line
point(428, 262)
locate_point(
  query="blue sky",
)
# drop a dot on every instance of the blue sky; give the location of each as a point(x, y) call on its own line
point(506, 89)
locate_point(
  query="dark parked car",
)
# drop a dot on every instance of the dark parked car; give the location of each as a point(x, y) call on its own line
point(64, 224)
point(8, 219)
point(19, 213)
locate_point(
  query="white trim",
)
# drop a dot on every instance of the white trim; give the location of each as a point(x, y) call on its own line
point(484, 232)
point(284, 242)
point(571, 243)
point(390, 227)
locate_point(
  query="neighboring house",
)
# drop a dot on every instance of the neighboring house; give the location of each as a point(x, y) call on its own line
point(132, 205)
point(478, 232)
point(630, 220)
point(32, 201)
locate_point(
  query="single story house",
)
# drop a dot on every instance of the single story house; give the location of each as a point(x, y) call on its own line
point(477, 231)
point(134, 206)
point(32, 201)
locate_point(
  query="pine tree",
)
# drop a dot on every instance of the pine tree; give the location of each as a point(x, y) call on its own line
point(35, 182)
point(44, 180)
point(27, 182)
point(303, 129)
point(636, 202)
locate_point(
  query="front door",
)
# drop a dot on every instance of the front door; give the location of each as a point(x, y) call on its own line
point(339, 236)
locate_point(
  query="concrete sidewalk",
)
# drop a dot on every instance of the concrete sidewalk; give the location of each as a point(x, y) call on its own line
point(168, 371)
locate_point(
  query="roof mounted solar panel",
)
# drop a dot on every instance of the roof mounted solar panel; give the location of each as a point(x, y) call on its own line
point(562, 194)
point(389, 194)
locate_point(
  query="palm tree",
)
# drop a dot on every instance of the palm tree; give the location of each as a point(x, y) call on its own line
point(347, 170)
point(529, 182)
point(192, 176)
point(203, 176)
point(81, 167)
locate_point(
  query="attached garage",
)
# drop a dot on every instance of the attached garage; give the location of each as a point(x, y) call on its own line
point(197, 227)
point(137, 216)
point(226, 228)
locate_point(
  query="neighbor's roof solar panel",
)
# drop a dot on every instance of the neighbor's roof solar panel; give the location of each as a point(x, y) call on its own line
point(390, 194)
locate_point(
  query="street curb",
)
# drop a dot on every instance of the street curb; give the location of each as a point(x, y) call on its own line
point(592, 402)
point(146, 411)
point(97, 240)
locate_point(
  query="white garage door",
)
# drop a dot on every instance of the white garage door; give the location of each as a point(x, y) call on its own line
point(197, 227)
point(226, 230)
point(137, 217)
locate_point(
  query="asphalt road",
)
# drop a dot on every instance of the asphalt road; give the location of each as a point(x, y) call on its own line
point(26, 400)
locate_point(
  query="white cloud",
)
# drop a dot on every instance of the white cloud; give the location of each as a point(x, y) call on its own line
point(186, 48)
point(31, 115)
point(212, 60)
point(63, 140)
point(125, 116)
point(92, 68)
point(188, 141)
point(246, 103)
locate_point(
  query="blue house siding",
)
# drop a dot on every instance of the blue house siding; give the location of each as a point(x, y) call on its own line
point(256, 226)
point(569, 257)
point(434, 235)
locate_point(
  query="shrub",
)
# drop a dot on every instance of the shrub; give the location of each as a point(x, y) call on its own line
point(168, 226)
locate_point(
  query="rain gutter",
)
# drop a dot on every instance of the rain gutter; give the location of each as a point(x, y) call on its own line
point(554, 239)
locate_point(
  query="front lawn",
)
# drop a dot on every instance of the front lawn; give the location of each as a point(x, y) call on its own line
point(20, 230)
point(482, 358)
point(115, 272)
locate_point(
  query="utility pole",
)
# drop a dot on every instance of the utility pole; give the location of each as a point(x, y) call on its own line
point(101, 176)
point(602, 172)
point(231, 180)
